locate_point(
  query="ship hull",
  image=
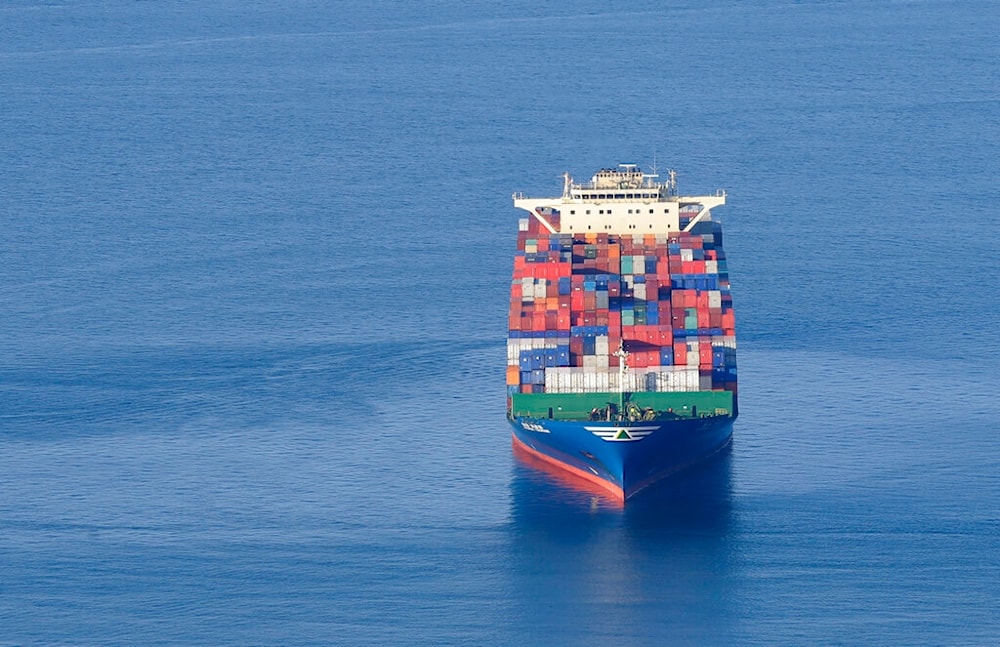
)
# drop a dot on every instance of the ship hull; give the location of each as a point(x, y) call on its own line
point(623, 458)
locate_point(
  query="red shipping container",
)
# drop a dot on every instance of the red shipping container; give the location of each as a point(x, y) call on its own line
point(680, 353)
point(705, 355)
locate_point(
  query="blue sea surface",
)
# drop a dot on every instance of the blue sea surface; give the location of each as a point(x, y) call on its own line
point(254, 264)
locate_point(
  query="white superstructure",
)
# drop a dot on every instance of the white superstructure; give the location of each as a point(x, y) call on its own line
point(620, 201)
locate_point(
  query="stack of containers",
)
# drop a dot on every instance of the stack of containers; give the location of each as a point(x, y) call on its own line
point(577, 299)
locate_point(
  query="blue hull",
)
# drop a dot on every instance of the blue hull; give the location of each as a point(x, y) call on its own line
point(624, 457)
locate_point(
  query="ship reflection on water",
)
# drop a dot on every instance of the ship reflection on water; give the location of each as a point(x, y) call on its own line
point(594, 571)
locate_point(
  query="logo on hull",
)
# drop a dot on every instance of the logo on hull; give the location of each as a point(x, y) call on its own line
point(621, 434)
point(530, 426)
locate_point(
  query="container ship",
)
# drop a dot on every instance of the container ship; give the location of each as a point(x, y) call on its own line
point(621, 355)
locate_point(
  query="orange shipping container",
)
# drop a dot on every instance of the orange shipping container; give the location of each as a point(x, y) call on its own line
point(513, 375)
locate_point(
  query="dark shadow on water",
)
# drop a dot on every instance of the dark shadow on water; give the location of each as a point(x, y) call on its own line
point(697, 500)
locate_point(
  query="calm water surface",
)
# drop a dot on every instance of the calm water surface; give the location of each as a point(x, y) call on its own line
point(253, 279)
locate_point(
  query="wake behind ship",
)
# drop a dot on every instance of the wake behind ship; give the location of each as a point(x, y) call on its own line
point(622, 346)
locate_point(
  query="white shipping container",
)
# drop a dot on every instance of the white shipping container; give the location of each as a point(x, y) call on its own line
point(711, 267)
point(539, 290)
point(640, 291)
point(687, 254)
point(638, 264)
point(679, 378)
point(714, 299)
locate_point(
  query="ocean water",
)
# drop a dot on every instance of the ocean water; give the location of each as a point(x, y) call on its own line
point(253, 280)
